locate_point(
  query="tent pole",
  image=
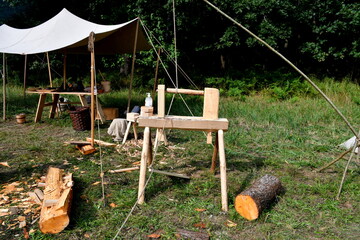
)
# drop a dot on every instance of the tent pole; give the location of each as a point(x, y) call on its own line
point(133, 66)
point(92, 76)
point(4, 88)
point(64, 71)
point(25, 70)
point(49, 69)
point(156, 71)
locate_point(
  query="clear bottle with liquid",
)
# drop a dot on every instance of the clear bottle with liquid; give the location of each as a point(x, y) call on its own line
point(148, 100)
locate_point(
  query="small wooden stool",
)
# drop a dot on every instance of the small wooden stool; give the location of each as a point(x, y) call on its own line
point(131, 118)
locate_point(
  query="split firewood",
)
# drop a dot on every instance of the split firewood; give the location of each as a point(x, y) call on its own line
point(251, 202)
point(54, 216)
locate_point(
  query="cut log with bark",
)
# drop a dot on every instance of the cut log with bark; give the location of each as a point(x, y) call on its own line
point(251, 202)
point(55, 211)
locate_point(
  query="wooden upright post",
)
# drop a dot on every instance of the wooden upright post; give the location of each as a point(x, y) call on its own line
point(161, 101)
point(133, 66)
point(64, 71)
point(4, 87)
point(211, 103)
point(92, 74)
point(25, 70)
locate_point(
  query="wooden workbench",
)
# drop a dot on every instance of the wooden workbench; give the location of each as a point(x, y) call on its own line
point(54, 102)
point(185, 123)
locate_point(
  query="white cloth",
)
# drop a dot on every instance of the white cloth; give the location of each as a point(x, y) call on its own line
point(117, 128)
point(349, 144)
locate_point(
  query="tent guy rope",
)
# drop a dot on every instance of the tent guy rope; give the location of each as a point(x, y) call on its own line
point(291, 64)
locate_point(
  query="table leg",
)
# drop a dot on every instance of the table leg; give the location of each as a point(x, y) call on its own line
point(55, 99)
point(144, 160)
point(215, 154)
point(135, 131)
point(224, 197)
point(126, 132)
point(40, 107)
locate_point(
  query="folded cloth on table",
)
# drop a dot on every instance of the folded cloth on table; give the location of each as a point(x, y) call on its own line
point(117, 128)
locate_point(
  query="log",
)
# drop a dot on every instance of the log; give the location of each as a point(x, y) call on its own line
point(55, 210)
point(251, 202)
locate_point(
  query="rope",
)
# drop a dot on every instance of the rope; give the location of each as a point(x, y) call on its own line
point(291, 64)
point(148, 33)
point(147, 181)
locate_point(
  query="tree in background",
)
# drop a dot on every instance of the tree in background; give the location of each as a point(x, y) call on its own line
point(320, 36)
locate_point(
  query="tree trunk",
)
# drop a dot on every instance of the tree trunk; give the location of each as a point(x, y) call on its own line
point(251, 202)
point(54, 216)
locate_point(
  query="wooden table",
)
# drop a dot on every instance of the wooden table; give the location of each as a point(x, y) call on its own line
point(185, 123)
point(54, 102)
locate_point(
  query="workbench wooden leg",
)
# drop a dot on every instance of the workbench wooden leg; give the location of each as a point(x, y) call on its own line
point(126, 132)
point(144, 160)
point(135, 131)
point(40, 107)
point(55, 99)
point(215, 154)
point(224, 197)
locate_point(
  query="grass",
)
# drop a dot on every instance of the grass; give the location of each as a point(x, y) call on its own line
point(288, 139)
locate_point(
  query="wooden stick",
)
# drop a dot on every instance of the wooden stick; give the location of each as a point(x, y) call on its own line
point(291, 64)
point(133, 65)
point(334, 161)
point(185, 91)
point(124, 170)
point(49, 69)
point(102, 143)
point(169, 173)
point(224, 197)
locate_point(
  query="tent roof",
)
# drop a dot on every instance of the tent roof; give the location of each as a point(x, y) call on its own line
point(68, 32)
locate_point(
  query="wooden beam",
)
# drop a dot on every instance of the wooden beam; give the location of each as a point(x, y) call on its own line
point(184, 122)
point(185, 91)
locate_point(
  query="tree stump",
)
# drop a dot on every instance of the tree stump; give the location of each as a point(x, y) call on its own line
point(54, 216)
point(251, 202)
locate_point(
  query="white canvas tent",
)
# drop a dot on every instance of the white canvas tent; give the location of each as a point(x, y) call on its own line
point(69, 33)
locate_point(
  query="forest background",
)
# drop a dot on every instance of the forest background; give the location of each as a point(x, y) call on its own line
point(321, 37)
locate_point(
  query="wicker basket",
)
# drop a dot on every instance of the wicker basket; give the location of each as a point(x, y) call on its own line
point(81, 119)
